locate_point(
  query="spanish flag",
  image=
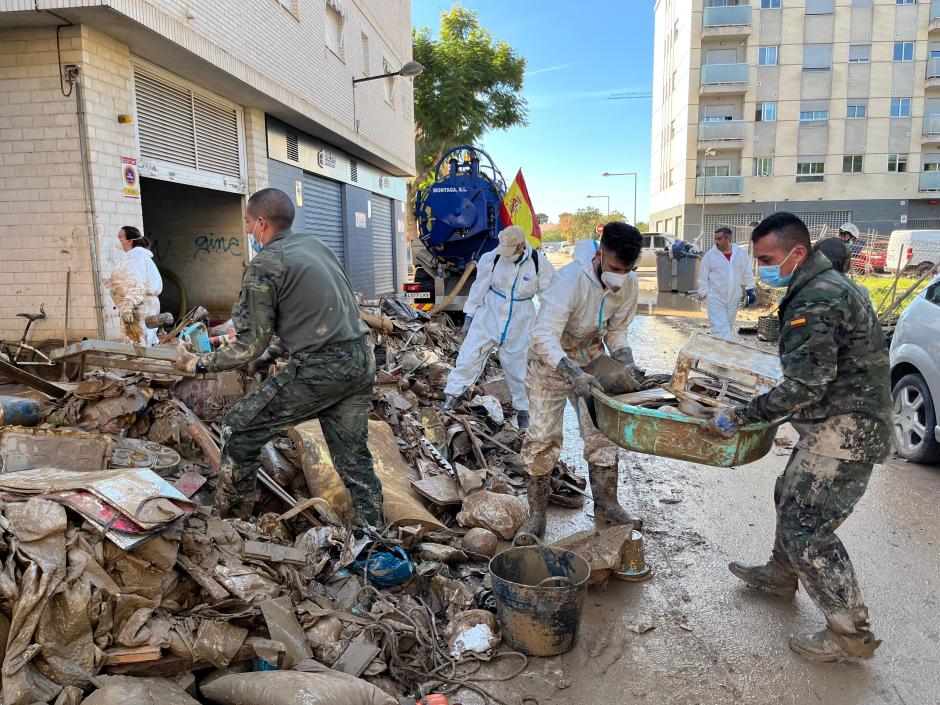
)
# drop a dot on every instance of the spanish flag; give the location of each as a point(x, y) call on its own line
point(517, 209)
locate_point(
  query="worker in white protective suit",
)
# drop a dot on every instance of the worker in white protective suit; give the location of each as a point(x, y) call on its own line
point(587, 307)
point(135, 287)
point(498, 314)
point(584, 251)
point(726, 272)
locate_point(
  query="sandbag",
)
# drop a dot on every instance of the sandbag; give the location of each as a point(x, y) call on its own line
point(294, 688)
point(500, 513)
point(123, 690)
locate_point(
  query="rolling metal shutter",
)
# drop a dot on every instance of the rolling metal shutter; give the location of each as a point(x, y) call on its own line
point(383, 246)
point(186, 128)
point(323, 212)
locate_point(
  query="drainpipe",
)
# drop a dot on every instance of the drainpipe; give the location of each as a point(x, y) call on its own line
point(72, 76)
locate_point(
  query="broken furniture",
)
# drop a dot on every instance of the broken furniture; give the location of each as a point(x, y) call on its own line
point(124, 356)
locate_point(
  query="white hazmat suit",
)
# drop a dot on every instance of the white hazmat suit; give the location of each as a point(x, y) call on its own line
point(500, 302)
point(584, 251)
point(722, 282)
point(135, 287)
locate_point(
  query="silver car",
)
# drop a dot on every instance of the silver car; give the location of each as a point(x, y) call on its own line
point(652, 243)
point(915, 377)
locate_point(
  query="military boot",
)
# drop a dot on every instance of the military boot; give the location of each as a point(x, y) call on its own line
point(538, 490)
point(848, 637)
point(522, 420)
point(606, 506)
point(773, 576)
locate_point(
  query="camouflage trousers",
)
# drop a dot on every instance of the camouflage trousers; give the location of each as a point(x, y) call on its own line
point(333, 385)
point(813, 496)
point(548, 392)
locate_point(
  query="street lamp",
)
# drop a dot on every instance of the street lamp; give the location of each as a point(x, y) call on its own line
point(409, 70)
point(608, 202)
point(626, 173)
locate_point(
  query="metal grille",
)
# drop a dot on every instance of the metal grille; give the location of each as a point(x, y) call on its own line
point(383, 246)
point(293, 146)
point(923, 224)
point(738, 223)
point(353, 170)
point(181, 127)
point(829, 219)
point(323, 213)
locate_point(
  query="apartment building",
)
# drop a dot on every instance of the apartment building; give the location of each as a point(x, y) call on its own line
point(165, 115)
point(826, 108)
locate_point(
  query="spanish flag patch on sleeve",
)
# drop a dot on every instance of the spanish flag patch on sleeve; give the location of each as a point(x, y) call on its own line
point(797, 322)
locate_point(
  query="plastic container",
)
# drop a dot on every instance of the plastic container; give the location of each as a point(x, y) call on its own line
point(664, 271)
point(196, 337)
point(18, 411)
point(687, 269)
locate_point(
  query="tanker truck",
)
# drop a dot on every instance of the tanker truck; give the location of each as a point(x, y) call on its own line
point(458, 220)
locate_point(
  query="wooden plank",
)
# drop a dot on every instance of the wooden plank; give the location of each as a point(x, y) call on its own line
point(357, 656)
point(30, 380)
point(139, 654)
point(206, 581)
point(111, 347)
point(261, 550)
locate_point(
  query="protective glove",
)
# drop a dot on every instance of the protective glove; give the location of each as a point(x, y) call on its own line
point(581, 381)
point(271, 353)
point(128, 316)
point(723, 423)
point(467, 320)
point(185, 361)
point(751, 298)
point(624, 355)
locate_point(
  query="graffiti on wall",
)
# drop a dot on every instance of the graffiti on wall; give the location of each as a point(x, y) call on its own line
point(205, 245)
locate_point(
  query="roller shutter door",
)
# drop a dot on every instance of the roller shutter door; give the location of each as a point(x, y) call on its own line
point(383, 246)
point(323, 212)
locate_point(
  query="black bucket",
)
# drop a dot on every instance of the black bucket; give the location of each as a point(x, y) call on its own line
point(539, 591)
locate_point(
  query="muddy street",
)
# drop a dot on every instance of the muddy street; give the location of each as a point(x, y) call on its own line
point(695, 634)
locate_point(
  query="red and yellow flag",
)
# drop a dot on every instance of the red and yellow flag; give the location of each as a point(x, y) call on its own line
point(517, 209)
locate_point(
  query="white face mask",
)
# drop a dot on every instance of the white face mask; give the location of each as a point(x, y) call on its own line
point(253, 241)
point(614, 282)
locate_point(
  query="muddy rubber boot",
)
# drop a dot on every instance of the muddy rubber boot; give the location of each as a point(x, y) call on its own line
point(522, 420)
point(450, 401)
point(538, 490)
point(848, 637)
point(772, 576)
point(607, 508)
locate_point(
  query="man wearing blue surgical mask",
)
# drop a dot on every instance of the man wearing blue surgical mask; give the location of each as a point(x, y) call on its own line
point(835, 388)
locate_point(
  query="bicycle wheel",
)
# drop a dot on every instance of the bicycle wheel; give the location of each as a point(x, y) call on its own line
point(57, 372)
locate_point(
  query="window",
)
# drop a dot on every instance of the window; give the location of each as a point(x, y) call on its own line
point(932, 166)
point(905, 2)
point(933, 293)
point(897, 163)
point(859, 53)
point(852, 164)
point(900, 107)
point(766, 112)
point(334, 28)
point(856, 112)
point(763, 166)
point(767, 56)
point(718, 170)
point(365, 54)
point(904, 51)
point(809, 171)
point(389, 82)
point(817, 57)
point(820, 7)
point(289, 6)
point(770, 4)
point(814, 115)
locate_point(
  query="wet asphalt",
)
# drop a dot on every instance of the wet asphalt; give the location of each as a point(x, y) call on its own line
point(693, 634)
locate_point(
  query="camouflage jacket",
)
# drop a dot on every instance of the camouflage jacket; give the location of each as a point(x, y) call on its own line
point(832, 352)
point(295, 288)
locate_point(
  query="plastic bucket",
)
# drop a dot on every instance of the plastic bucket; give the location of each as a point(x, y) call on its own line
point(539, 591)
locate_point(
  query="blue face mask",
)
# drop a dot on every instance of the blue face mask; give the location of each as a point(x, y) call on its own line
point(770, 274)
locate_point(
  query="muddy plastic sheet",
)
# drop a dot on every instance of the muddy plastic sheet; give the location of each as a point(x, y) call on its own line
point(282, 624)
point(326, 687)
point(127, 690)
point(603, 550)
point(218, 642)
point(70, 449)
point(502, 514)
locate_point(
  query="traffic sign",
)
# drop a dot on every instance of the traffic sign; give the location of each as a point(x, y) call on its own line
point(599, 229)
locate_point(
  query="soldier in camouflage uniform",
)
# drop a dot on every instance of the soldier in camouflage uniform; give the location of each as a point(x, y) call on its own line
point(297, 289)
point(836, 386)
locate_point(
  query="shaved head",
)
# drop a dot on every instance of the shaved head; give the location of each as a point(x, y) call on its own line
point(274, 206)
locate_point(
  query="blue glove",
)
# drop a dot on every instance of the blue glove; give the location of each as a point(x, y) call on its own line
point(723, 424)
point(467, 320)
point(751, 297)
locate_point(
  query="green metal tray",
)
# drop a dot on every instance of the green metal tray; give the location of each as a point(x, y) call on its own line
point(670, 435)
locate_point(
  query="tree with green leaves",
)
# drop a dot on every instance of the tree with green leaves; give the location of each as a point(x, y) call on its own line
point(542, 218)
point(472, 83)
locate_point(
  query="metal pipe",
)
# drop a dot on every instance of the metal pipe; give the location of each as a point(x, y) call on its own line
point(73, 74)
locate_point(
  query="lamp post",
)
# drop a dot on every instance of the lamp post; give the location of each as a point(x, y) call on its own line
point(608, 202)
point(626, 173)
point(409, 70)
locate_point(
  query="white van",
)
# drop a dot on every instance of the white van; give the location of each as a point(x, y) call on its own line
point(916, 251)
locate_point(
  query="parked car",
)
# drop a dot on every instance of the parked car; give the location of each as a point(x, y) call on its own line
point(915, 377)
point(915, 250)
point(653, 243)
point(869, 261)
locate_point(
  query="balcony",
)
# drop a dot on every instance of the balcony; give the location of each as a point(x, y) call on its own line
point(718, 185)
point(728, 21)
point(931, 130)
point(934, 16)
point(730, 133)
point(725, 78)
point(930, 181)
point(933, 72)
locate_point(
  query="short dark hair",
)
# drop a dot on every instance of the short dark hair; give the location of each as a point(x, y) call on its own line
point(790, 230)
point(135, 237)
point(724, 230)
point(273, 205)
point(623, 240)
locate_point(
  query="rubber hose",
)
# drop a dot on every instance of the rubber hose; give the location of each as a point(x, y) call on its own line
point(453, 292)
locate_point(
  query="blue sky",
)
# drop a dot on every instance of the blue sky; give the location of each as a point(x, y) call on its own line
point(577, 53)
